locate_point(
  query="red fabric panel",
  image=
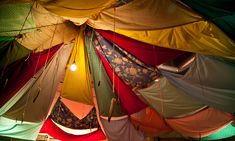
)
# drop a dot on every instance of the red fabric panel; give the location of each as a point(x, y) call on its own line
point(149, 54)
point(128, 99)
point(19, 73)
point(150, 122)
point(50, 128)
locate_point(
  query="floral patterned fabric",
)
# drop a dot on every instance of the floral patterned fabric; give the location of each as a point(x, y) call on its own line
point(63, 116)
point(131, 70)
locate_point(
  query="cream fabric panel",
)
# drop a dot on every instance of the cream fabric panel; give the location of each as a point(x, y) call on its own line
point(144, 15)
point(51, 30)
point(35, 103)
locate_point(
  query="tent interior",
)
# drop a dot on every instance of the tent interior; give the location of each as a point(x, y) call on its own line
point(111, 70)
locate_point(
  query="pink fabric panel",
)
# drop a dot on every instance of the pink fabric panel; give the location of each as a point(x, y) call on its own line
point(201, 124)
point(121, 130)
point(149, 54)
point(80, 110)
point(128, 99)
point(50, 128)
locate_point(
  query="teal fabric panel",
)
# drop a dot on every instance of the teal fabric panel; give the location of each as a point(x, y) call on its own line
point(226, 132)
point(19, 129)
point(221, 12)
point(12, 139)
point(12, 17)
point(102, 84)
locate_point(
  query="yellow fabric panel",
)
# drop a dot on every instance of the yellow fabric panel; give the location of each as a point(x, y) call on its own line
point(144, 14)
point(77, 84)
point(51, 30)
point(200, 37)
point(78, 8)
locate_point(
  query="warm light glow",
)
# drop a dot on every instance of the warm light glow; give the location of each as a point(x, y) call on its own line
point(73, 67)
point(156, 80)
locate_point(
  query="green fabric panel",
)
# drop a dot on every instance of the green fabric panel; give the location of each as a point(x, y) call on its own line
point(169, 101)
point(221, 12)
point(11, 51)
point(18, 129)
point(6, 38)
point(12, 17)
point(226, 132)
point(102, 83)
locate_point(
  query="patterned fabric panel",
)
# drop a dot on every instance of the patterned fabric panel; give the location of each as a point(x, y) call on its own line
point(63, 116)
point(131, 70)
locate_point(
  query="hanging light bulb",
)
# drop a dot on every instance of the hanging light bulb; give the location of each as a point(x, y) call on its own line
point(73, 67)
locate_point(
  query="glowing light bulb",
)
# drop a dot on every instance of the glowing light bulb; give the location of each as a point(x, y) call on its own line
point(73, 67)
point(156, 80)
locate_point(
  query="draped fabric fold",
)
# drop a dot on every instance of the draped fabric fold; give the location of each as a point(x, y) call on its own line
point(221, 12)
point(210, 80)
point(201, 124)
point(78, 9)
point(19, 130)
point(131, 70)
point(63, 116)
point(147, 53)
point(102, 84)
point(18, 73)
point(77, 84)
point(48, 36)
point(16, 19)
point(121, 129)
point(11, 51)
point(169, 101)
point(50, 128)
point(14, 99)
point(150, 122)
point(51, 30)
point(84, 109)
point(43, 17)
point(200, 37)
point(34, 105)
point(129, 101)
point(144, 15)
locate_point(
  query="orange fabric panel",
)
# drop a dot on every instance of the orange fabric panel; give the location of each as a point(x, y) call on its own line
point(150, 122)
